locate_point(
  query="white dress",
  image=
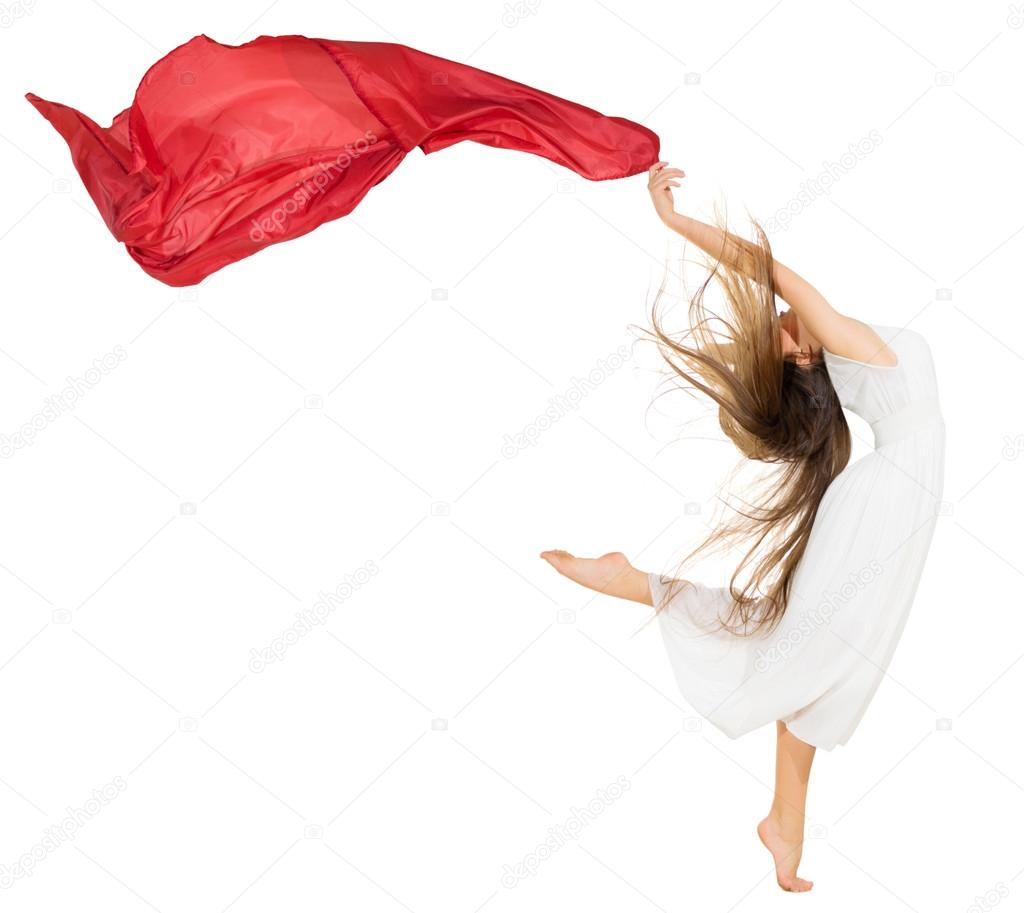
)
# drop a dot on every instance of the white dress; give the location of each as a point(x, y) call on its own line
point(852, 591)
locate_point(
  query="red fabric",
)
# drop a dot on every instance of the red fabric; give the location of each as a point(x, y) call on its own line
point(226, 150)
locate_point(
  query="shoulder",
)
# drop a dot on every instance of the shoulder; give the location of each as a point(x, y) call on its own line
point(866, 345)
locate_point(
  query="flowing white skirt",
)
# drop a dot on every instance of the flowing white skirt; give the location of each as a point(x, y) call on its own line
point(852, 593)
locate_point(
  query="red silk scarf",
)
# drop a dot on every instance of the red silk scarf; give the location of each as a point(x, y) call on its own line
point(226, 150)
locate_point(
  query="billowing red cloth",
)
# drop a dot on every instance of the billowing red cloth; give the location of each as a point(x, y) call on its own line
point(226, 150)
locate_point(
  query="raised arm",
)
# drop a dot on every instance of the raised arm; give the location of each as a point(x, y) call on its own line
point(840, 334)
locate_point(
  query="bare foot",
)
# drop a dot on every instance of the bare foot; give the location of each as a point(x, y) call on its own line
point(611, 574)
point(786, 850)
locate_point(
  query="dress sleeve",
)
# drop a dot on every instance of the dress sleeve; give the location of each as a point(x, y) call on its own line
point(694, 606)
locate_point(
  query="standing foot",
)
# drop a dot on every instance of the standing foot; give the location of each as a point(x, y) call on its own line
point(786, 848)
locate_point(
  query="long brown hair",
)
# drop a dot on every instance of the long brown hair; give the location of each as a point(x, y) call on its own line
point(774, 410)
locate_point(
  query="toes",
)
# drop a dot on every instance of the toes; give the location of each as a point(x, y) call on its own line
point(796, 885)
point(555, 555)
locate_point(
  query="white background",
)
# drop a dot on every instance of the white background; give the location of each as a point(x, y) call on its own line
point(323, 781)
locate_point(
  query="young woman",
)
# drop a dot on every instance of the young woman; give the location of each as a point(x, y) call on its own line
point(832, 553)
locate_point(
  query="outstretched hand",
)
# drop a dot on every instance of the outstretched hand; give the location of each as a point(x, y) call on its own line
point(661, 180)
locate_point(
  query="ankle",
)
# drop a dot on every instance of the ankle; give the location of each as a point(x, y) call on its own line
point(639, 587)
point(788, 823)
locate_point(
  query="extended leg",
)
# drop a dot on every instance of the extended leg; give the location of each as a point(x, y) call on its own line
point(782, 832)
point(611, 574)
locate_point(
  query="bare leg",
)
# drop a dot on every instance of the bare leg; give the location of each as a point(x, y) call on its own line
point(782, 832)
point(611, 574)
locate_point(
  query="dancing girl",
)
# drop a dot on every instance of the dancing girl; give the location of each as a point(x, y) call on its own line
point(831, 551)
